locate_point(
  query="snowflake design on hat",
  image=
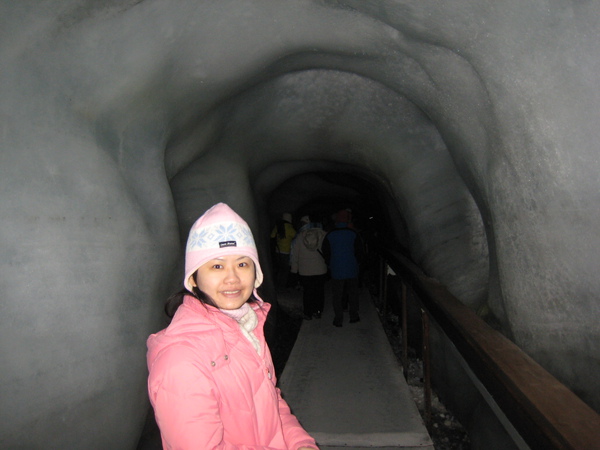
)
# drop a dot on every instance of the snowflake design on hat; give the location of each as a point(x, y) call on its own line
point(197, 239)
point(246, 237)
point(210, 236)
point(226, 232)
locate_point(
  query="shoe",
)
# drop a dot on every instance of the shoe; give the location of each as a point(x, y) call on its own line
point(317, 315)
point(355, 319)
point(307, 317)
point(337, 323)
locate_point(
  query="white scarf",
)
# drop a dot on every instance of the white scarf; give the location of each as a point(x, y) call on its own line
point(247, 320)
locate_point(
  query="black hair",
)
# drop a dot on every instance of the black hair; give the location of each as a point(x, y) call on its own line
point(175, 301)
point(281, 232)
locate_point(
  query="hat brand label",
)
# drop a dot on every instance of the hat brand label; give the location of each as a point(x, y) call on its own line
point(227, 244)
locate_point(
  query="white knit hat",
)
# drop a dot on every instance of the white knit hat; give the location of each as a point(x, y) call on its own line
point(218, 232)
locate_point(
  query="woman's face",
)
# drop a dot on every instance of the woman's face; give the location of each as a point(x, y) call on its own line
point(228, 280)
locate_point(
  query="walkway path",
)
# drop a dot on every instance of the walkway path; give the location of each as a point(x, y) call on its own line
point(346, 386)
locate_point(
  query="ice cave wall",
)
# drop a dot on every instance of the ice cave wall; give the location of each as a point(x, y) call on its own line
point(123, 121)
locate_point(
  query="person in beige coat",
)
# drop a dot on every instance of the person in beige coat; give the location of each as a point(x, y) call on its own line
point(307, 261)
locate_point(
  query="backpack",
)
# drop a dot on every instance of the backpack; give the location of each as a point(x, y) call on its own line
point(311, 239)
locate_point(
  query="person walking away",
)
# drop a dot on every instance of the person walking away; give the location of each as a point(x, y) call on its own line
point(342, 249)
point(308, 261)
point(282, 234)
point(211, 378)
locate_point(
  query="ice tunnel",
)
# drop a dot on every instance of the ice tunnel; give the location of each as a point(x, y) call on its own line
point(473, 125)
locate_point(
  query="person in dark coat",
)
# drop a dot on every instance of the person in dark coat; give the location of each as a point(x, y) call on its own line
point(342, 249)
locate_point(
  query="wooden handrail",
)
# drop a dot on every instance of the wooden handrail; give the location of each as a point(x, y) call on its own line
point(543, 410)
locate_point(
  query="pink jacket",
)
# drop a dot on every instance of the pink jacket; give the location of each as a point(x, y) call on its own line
point(211, 390)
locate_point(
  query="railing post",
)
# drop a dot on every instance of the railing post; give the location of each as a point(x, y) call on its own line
point(426, 368)
point(381, 278)
point(404, 331)
point(384, 289)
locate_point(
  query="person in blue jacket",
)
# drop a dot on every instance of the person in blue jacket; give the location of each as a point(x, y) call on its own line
point(342, 248)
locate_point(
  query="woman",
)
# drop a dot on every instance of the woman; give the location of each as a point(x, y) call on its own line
point(212, 382)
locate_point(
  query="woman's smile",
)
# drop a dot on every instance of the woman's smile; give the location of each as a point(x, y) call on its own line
point(231, 293)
